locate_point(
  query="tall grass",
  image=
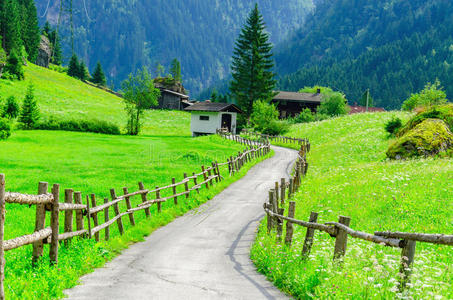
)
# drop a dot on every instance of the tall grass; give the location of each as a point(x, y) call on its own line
point(349, 175)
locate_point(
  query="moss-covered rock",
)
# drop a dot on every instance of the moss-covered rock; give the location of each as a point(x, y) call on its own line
point(430, 137)
point(442, 112)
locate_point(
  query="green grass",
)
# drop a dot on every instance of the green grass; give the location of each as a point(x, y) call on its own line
point(350, 175)
point(63, 96)
point(94, 163)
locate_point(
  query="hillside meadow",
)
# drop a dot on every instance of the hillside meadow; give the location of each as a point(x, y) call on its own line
point(65, 97)
point(349, 175)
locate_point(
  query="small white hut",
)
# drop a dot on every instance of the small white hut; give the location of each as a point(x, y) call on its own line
point(208, 117)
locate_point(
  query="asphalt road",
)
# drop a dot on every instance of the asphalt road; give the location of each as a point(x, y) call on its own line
point(202, 255)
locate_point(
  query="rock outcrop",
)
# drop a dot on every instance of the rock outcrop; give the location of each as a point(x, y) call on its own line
point(44, 52)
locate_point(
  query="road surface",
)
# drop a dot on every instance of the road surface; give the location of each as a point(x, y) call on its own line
point(202, 255)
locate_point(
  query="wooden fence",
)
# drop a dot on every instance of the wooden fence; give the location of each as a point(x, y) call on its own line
point(275, 138)
point(339, 230)
point(88, 213)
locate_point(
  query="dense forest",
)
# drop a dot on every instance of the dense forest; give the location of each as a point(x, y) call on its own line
point(391, 47)
point(124, 35)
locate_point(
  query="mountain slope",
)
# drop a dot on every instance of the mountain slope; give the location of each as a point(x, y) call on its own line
point(391, 47)
point(126, 34)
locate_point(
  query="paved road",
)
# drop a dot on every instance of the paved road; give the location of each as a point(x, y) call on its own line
point(202, 255)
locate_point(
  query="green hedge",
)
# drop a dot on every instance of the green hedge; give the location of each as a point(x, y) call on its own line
point(96, 126)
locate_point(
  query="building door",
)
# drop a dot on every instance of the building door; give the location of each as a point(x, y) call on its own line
point(226, 121)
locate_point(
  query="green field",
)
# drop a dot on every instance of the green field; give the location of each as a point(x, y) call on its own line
point(65, 97)
point(95, 163)
point(350, 175)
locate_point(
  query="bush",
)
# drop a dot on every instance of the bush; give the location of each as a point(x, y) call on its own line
point(276, 127)
point(334, 106)
point(393, 125)
point(305, 116)
point(10, 109)
point(29, 114)
point(95, 126)
point(321, 117)
point(432, 94)
point(13, 68)
point(5, 129)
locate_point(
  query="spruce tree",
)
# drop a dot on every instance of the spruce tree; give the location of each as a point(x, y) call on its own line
point(30, 29)
point(57, 57)
point(14, 66)
point(11, 26)
point(73, 68)
point(98, 75)
point(252, 65)
point(10, 109)
point(83, 71)
point(46, 30)
point(175, 70)
point(29, 114)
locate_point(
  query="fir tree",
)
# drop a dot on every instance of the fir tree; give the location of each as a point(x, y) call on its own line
point(29, 114)
point(11, 108)
point(83, 71)
point(14, 66)
point(30, 29)
point(57, 57)
point(11, 26)
point(98, 75)
point(252, 65)
point(46, 30)
point(74, 67)
point(175, 70)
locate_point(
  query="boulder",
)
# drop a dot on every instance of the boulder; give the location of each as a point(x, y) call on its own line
point(44, 52)
point(430, 137)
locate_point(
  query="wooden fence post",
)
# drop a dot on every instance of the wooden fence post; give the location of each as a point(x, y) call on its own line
point(218, 170)
point(205, 177)
point(289, 225)
point(270, 206)
point(40, 222)
point(79, 213)
point(277, 191)
point(283, 190)
point(54, 224)
point(215, 172)
point(291, 187)
point(407, 259)
point(88, 217)
point(229, 166)
point(142, 188)
point(209, 176)
point(116, 209)
point(309, 236)
point(274, 204)
point(186, 186)
point(175, 199)
point(68, 215)
point(95, 216)
point(106, 219)
point(129, 206)
point(159, 204)
point(341, 239)
point(281, 211)
point(195, 182)
point(2, 235)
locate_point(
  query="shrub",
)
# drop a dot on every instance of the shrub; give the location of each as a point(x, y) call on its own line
point(276, 127)
point(432, 94)
point(95, 126)
point(305, 116)
point(5, 129)
point(29, 114)
point(321, 117)
point(393, 125)
point(333, 106)
point(10, 109)
point(13, 68)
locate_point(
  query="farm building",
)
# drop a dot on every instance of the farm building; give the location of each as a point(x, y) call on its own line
point(173, 95)
point(290, 104)
point(208, 117)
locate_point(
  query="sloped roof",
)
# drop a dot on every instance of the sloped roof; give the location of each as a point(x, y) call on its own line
point(361, 109)
point(214, 107)
point(176, 93)
point(294, 96)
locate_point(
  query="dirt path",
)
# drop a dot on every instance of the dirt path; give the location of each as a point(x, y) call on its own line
point(202, 255)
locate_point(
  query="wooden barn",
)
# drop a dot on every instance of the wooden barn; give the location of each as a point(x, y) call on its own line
point(208, 117)
point(290, 104)
point(171, 100)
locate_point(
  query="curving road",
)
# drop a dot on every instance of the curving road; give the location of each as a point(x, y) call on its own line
point(202, 255)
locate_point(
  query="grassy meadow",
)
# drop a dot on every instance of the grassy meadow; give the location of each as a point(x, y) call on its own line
point(65, 97)
point(350, 175)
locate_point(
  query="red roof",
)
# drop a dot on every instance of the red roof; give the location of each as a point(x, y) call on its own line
point(361, 109)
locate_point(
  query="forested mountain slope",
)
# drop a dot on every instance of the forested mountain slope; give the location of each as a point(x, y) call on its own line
point(392, 47)
point(126, 34)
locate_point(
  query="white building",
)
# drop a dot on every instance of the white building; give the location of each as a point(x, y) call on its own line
point(207, 117)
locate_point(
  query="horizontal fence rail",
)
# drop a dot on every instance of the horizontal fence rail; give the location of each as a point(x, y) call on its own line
point(88, 213)
point(339, 230)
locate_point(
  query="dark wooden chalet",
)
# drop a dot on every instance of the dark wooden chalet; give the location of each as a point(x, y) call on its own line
point(171, 100)
point(290, 104)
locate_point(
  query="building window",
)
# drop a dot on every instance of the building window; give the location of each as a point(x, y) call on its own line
point(204, 118)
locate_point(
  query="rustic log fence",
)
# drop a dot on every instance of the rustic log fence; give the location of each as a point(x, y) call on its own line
point(88, 213)
point(251, 135)
point(274, 209)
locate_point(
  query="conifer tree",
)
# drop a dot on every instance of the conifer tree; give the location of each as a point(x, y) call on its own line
point(10, 109)
point(83, 71)
point(252, 65)
point(57, 57)
point(14, 66)
point(175, 70)
point(46, 29)
point(30, 29)
point(29, 114)
point(98, 75)
point(11, 26)
point(73, 68)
